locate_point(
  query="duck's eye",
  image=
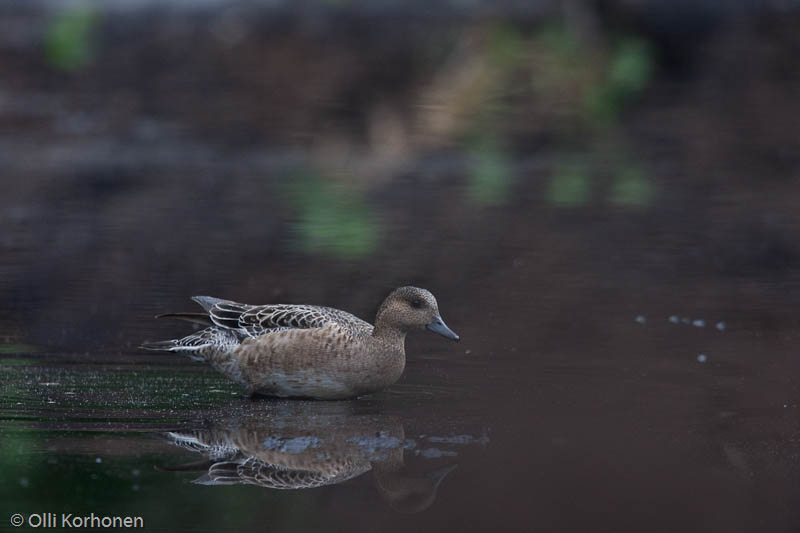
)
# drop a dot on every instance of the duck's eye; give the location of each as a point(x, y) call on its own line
point(416, 303)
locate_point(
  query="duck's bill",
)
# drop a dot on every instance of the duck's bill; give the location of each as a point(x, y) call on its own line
point(438, 326)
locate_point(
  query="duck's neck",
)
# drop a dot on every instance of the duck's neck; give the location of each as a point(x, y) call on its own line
point(389, 333)
point(389, 354)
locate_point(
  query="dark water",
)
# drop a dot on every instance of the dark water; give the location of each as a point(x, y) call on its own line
point(603, 202)
point(492, 432)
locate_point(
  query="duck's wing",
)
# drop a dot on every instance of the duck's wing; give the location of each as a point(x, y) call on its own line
point(267, 318)
point(256, 320)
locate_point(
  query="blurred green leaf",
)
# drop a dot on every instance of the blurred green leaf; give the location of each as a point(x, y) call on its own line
point(631, 67)
point(334, 220)
point(569, 186)
point(632, 188)
point(559, 40)
point(490, 176)
point(505, 46)
point(602, 104)
point(68, 41)
point(560, 62)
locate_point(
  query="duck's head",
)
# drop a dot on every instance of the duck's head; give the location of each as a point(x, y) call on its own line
point(413, 308)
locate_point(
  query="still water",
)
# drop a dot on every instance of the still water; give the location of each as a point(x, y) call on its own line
point(491, 433)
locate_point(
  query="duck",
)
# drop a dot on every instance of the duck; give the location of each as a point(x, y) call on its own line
point(306, 448)
point(307, 351)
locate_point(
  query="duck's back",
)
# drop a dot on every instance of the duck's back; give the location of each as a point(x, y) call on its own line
point(257, 320)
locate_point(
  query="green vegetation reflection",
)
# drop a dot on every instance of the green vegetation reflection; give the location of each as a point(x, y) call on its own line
point(490, 174)
point(333, 218)
point(68, 41)
point(631, 188)
point(119, 474)
point(570, 185)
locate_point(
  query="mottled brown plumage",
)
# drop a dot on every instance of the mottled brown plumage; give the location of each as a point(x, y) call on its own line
point(305, 350)
point(304, 448)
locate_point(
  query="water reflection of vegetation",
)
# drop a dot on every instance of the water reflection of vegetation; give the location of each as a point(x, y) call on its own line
point(570, 185)
point(111, 472)
point(490, 175)
point(582, 85)
point(573, 183)
point(333, 218)
point(597, 81)
point(298, 442)
point(68, 41)
point(632, 187)
point(52, 480)
point(626, 73)
point(603, 81)
point(16, 349)
point(89, 478)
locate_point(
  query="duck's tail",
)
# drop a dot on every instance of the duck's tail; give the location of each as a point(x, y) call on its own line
point(196, 318)
point(198, 346)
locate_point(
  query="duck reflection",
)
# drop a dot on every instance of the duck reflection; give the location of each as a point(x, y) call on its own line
point(302, 449)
